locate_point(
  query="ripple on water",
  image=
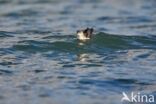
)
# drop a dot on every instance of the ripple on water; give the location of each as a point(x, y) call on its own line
point(5, 34)
point(5, 72)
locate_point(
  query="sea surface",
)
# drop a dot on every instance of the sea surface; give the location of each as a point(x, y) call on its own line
point(42, 61)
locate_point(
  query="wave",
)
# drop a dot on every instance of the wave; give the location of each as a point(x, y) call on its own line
point(99, 43)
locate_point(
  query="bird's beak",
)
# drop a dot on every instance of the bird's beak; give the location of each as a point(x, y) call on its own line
point(78, 31)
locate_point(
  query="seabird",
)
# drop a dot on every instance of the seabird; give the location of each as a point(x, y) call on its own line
point(85, 34)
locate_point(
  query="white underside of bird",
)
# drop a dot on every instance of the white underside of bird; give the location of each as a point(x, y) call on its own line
point(81, 36)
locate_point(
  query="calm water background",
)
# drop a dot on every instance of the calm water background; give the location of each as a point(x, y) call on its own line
point(42, 62)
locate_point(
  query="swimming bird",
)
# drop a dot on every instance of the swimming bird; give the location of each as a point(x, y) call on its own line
point(85, 34)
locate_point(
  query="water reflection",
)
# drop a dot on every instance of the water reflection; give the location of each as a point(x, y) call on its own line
point(83, 57)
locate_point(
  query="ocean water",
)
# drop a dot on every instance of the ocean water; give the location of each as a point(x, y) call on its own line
point(42, 61)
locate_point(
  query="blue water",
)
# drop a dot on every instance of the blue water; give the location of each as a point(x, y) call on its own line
point(42, 62)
